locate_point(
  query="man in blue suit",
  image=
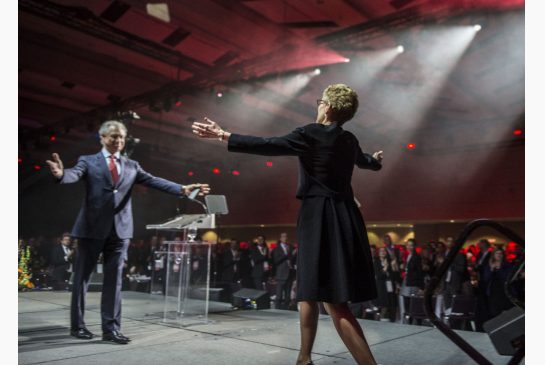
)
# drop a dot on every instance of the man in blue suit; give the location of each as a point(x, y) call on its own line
point(105, 224)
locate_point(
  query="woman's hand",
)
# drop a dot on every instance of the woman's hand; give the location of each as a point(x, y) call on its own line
point(210, 129)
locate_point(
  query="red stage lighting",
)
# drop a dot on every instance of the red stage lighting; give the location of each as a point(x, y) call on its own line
point(20, 161)
point(216, 170)
point(37, 167)
point(53, 138)
point(411, 146)
point(235, 172)
point(269, 163)
point(517, 132)
point(178, 103)
point(190, 173)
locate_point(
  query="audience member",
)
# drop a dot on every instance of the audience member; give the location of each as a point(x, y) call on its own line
point(386, 285)
point(456, 275)
point(259, 255)
point(61, 260)
point(282, 257)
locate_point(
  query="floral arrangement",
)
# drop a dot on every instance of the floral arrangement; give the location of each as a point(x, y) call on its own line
point(23, 271)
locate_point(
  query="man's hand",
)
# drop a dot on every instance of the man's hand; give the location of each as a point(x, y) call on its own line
point(378, 156)
point(210, 129)
point(56, 166)
point(205, 189)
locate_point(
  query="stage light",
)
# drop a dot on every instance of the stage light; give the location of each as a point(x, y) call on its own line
point(20, 161)
point(411, 146)
point(178, 103)
point(517, 132)
point(219, 94)
point(269, 163)
point(346, 60)
point(317, 71)
point(53, 138)
point(477, 27)
point(37, 167)
point(216, 170)
point(452, 221)
point(190, 173)
point(400, 49)
point(235, 172)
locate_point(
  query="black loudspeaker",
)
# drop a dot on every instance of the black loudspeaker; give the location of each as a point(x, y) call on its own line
point(506, 331)
point(251, 299)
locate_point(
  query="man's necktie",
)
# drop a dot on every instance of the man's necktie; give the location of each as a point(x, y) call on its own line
point(113, 169)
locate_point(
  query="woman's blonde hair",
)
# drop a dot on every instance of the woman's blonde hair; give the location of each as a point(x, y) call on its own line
point(343, 101)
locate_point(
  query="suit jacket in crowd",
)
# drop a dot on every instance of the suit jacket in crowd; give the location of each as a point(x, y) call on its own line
point(458, 273)
point(259, 260)
point(283, 262)
point(414, 277)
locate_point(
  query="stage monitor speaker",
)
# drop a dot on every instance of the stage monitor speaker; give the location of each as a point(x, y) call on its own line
point(506, 331)
point(251, 299)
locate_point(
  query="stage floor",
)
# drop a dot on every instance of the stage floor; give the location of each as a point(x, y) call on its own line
point(233, 337)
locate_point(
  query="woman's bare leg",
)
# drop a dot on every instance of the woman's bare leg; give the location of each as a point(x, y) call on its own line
point(351, 333)
point(308, 317)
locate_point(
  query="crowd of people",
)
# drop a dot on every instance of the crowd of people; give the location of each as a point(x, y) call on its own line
point(401, 270)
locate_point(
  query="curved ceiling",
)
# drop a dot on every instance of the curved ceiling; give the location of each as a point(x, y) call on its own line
point(453, 89)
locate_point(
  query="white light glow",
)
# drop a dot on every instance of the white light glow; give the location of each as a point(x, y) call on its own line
point(317, 71)
point(400, 49)
point(477, 27)
point(347, 60)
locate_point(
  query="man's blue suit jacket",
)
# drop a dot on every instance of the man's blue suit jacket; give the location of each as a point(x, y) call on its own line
point(105, 203)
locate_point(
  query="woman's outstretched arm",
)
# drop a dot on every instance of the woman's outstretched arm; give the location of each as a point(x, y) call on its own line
point(292, 144)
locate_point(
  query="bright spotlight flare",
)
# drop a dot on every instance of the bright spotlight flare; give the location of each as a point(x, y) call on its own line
point(477, 27)
point(400, 49)
point(317, 71)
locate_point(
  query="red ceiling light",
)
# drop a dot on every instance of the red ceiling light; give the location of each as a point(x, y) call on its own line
point(37, 167)
point(53, 138)
point(269, 163)
point(235, 172)
point(190, 173)
point(411, 146)
point(178, 103)
point(216, 170)
point(517, 132)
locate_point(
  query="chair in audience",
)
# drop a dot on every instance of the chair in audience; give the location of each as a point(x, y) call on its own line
point(415, 310)
point(461, 312)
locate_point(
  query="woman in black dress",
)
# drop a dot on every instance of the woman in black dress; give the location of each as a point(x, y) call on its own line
point(334, 262)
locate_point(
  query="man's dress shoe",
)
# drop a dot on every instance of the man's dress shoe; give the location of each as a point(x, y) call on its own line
point(82, 333)
point(116, 337)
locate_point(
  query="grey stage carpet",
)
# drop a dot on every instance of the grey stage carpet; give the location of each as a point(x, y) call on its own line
point(232, 337)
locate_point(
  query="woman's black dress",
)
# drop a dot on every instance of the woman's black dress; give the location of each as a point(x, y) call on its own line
point(334, 262)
